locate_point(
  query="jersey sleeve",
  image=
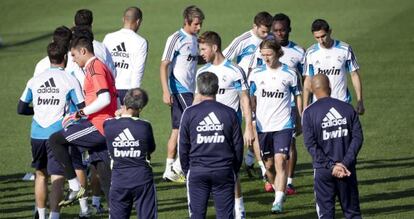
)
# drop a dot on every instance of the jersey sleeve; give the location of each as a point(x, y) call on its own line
point(75, 92)
point(240, 82)
point(356, 142)
point(233, 50)
point(237, 143)
point(138, 64)
point(151, 141)
point(308, 69)
point(351, 62)
point(171, 47)
point(27, 95)
point(294, 88)
point(252, 84)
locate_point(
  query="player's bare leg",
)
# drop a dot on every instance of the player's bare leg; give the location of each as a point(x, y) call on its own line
point(170, 173)
point(270, 174)
point(41, 192)
point(280, 182)
point(291, 168)
point(239, 210)
point(96, 191)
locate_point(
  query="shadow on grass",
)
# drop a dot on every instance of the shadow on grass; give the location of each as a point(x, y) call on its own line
point(28, 41)
point(387, 210)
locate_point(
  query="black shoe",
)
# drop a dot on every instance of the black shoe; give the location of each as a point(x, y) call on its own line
point(72, 196)
point(36, 216)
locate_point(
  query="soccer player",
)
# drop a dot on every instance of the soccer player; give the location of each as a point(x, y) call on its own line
point(129, 52)
point(177, 73)
point(333, 136)
point(130, 141)
point(51, 92)
point(243, 48)
point(233, 92)
point(211, 151)
point(293, 57)
point(334, 59)
point(101, 103)
point(271, 87)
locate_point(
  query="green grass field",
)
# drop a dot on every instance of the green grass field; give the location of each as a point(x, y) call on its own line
point(381, 33)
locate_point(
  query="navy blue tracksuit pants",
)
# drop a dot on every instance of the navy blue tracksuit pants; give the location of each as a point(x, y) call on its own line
point(328, 187)
point(220, 183)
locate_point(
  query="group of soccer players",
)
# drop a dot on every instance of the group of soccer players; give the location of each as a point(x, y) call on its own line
point(79, 88)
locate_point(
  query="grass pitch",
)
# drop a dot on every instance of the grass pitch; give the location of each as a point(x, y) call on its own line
point(380, 32)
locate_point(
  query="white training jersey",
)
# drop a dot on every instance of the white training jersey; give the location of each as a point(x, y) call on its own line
point(232, 81)
point(273, 89)
point(129, 53)
point(334, 62)
point(181, 50)
point(243, 48)
point(51, 93)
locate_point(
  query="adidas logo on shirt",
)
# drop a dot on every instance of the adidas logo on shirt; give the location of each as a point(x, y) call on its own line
point(48, 87)
point(125, 139)
point(210, 123)
point(332, 119)
point(120, 51)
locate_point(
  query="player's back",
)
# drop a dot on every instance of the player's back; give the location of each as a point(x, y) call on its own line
point(51, 92)
point(127, 49)
point(130, 142)
point(214, 132)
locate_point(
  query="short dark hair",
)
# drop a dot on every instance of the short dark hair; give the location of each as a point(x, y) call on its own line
point(62, 35)
point(320, 24)
point(56, 52)
point(136, 15)
point(82, 42)
point(84, 31)
point(136, 99)
point(207, 84)
point(282, 17)
point(84, 17)
point(192, 12)
point(210, 37)
point(263, 18)
point(273, 45)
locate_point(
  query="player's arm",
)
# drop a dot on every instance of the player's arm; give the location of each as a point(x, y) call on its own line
point(356, 142)
point(23, 107)
point(233, 49)
point(356, 82)
point(166, 96)
point(247, 112)
point(306, 91)
point(237, 143)
point(184, 143)
point(139, 65)
point(298, 125)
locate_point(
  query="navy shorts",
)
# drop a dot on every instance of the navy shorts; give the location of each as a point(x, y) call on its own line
point(180, 102)
point(121, 95)
point(144, 197)
point(39, 153)
point(85, 135)
point(55, 168)
point(272, 143)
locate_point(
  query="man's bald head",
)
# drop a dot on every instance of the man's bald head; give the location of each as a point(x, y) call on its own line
point(132, 14)
point(320, 86)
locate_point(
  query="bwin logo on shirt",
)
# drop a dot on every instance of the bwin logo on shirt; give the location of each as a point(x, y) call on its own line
point(210, 123)
point(272, 94)
point(48, 87)
point(332, 71)
point(333, 118)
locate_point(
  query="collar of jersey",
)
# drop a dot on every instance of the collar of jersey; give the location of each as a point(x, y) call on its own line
point(90, 60)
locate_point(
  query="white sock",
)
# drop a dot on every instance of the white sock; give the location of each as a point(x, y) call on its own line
point(239, 204)
point(96, 200)
point(289, 180)
point(170, 162)
point(262, 167)
point(249, 158)
point(54, 215)
point(279, 197)
point(42, 213)
point(74, 184)
point(83, 203)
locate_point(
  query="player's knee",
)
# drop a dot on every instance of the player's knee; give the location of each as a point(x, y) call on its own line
point(57, 139)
